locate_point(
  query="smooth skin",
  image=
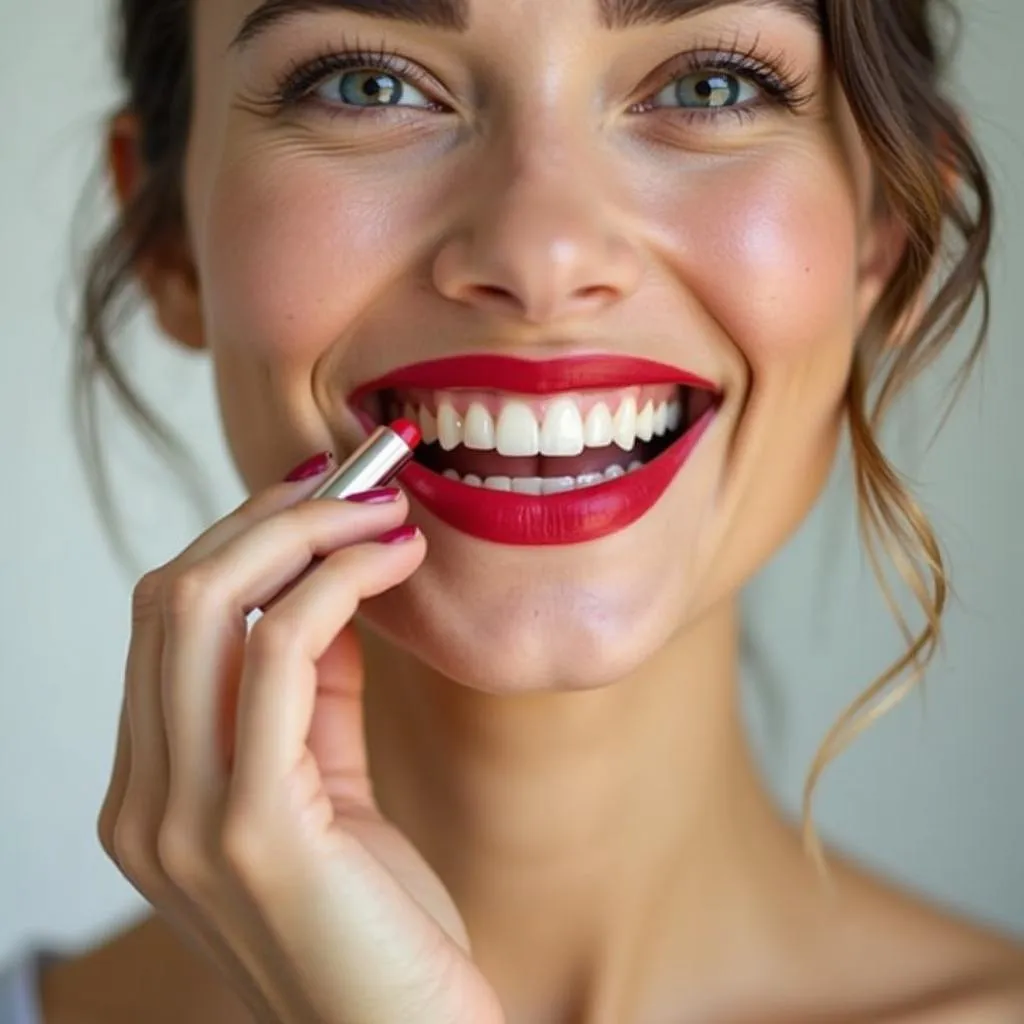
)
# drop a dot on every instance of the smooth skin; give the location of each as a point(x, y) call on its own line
point(521, 792)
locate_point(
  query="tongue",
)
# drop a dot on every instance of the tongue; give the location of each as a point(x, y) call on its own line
point(485, 464)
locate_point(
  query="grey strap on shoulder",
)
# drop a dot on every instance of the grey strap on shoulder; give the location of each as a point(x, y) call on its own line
point(19, 990)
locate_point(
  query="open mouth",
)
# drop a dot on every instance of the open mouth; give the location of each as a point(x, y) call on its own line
point(531, 452)
point(543, 445)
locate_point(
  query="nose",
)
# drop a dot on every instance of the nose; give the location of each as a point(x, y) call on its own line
point(541, 246)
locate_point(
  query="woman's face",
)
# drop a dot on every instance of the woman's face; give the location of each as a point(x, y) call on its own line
point(540, 181)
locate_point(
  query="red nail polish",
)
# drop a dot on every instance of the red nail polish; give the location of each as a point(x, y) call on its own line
point(402, 535)
point(378, 496)
point(315, 466)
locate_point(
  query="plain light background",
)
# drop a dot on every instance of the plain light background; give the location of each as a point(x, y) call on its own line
point(933, 795)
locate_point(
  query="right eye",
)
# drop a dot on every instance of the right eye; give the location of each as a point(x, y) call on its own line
point(708, 90)
point(368, 88)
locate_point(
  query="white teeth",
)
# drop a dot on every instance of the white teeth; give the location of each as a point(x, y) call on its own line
point(625, 425)
point(661, 419)
point(428, 425)
point(599, 430)
point(557, 484)
point(527, 485)
point(635, 465)
point(536, 485)
point(517, 432)
point(674, 415)
point(565, 432)
point(449, 426)
point(645, 422)
point(478, 430)
point(562, 433)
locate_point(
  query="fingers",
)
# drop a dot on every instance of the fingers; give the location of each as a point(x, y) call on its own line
point(157, 847)
point(118, 785)
point(145, 794)
point(279, 685)
point(205, 632)
point(136, 796)
point(257, 509)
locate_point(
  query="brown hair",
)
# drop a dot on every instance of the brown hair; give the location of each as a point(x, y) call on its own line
point(890, 64)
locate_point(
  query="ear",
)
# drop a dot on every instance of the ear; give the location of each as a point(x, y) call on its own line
point(885, 245)
point(166, 271)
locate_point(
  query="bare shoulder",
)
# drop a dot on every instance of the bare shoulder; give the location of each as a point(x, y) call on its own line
point(143, 973)
point(934, 965)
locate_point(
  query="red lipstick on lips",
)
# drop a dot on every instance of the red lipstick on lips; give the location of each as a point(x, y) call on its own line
point(570, 517)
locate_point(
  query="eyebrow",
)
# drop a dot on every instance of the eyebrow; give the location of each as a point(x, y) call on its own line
point(453, 15)
point(621, 14)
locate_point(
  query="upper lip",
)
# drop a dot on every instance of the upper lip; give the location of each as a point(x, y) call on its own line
point(533, 376)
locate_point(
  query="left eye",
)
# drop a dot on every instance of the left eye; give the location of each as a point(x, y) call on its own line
point(707, 90)
point(371, 88)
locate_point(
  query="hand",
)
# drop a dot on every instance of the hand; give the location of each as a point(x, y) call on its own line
point(240, 804)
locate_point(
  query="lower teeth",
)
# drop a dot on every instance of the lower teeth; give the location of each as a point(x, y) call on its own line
point(542, 485)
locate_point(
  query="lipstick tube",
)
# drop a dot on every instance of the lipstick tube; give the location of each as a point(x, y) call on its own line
point(375, 463)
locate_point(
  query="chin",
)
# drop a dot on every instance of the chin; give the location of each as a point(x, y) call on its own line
point(511, 620)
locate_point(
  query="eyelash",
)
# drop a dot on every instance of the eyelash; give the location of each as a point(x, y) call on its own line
point(769, 72)
point(299, 81)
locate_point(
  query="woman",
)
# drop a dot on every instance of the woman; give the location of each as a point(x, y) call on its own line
point(631, 266)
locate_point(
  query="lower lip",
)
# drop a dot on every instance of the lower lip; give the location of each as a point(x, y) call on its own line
point(573, 517)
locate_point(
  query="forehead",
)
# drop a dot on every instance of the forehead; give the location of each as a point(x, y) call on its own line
point(459, 15)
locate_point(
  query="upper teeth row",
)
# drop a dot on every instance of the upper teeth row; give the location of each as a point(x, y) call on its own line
point(564, 430)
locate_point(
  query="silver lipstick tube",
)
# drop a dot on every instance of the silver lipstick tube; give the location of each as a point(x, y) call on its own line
point(374, 464)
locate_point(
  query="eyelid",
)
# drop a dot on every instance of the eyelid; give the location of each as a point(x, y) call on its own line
point(300, 82)
point(770, 75)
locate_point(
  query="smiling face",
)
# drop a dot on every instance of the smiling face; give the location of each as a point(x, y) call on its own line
point(543, 182)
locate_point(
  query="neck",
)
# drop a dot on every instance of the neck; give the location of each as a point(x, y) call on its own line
point(569, 827)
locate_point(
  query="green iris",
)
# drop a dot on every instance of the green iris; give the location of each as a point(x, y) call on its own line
point(708, 90)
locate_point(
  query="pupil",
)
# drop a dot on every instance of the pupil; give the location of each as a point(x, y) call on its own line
point(710, 90)
point(359, 87)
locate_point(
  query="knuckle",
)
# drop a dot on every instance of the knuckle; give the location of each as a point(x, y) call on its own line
point(180, 858)
point(274, 637)
point(306, 520)
point(133, 852)
point(240, 846)
point(190, 593)
point(105, 824)
point(146, 595)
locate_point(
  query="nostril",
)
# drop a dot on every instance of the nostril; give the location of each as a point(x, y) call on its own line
point(596, 292)
point(492, 293)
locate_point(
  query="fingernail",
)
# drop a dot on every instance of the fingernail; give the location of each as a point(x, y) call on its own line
point(402, 535)
point(378, 496)
point(315, 466)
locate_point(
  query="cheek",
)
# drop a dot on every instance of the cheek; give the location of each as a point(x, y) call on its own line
point(291, 253)
point(769, 250)
point(287, 254)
